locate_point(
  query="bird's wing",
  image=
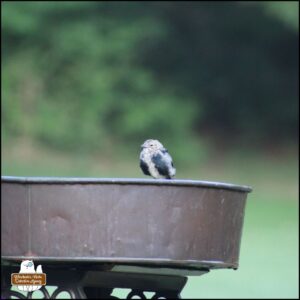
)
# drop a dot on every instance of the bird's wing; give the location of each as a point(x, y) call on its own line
point(167, 157)
point(171, 168)
point(160, 164)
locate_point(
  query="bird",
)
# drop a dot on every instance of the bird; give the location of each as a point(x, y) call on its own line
point(156, 161)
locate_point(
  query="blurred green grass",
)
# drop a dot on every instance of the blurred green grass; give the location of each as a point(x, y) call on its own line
point(268, 256)
point(270, 241)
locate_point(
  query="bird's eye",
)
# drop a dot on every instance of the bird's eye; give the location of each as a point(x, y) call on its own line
point(151, 145)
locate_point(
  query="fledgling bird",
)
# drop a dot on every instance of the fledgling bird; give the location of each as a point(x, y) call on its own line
point(155, 160)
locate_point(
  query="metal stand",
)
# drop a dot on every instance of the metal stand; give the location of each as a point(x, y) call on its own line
point(97, 284)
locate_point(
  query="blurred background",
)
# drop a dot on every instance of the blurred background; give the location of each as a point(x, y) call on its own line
point(85, 83)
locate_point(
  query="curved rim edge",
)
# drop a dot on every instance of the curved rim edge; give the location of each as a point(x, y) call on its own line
point(125, 181)
point(211, 264)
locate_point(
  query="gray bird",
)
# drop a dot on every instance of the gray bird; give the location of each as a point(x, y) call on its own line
point(155, 160)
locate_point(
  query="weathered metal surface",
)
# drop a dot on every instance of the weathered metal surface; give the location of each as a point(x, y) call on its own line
point(125, 223)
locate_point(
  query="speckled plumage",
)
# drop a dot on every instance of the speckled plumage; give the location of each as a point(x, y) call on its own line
point(155, 160)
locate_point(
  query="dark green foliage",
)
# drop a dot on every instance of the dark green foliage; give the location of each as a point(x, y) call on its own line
point(88, 75)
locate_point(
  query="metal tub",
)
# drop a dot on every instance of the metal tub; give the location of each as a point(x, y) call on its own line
point(126, 224)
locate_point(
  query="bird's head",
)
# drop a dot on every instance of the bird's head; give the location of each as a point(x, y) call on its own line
point(152, 144)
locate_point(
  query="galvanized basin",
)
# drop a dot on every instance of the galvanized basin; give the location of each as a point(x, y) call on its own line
point(123, 223)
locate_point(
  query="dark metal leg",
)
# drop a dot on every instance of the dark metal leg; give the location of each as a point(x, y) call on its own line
point(167, 295)
point(99, 293)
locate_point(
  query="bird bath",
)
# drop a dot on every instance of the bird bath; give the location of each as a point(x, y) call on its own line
point(94, 234)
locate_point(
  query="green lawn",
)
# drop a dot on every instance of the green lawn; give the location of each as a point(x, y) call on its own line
point(269, 249)
point(268, 257)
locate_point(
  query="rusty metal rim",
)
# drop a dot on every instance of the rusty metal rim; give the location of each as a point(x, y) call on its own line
point(126, 181)
point(128, 261)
